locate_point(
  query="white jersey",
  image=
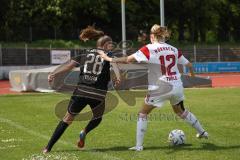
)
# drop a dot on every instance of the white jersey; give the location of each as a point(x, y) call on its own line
point(163, 60)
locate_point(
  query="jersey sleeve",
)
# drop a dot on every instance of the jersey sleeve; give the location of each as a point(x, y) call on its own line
point(181, 59)
point(142, 55)
point(77, 59)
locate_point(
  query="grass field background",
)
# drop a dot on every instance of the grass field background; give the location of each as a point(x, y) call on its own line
point(27, 122)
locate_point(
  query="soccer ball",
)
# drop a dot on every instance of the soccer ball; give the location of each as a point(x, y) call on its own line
point(176, 137)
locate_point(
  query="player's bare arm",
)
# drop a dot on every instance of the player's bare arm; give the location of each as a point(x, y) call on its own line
point(127, 59)
point(116, 71)
point(191, 69)
point(67, 67)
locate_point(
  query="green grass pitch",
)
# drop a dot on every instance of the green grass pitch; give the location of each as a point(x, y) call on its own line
point(27, 121)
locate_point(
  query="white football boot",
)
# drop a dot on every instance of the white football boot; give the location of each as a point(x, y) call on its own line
point(202, 135)
point(136, 148)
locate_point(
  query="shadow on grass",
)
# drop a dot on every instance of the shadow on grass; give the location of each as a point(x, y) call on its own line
point(204, 147)
point(171, 149)
point(118, 148)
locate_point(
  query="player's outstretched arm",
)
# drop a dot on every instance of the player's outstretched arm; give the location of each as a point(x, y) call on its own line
point(127, 59)
point(62, 69)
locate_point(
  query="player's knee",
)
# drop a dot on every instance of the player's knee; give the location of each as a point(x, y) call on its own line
point(68, 118)
point(179, 109)
point(142, 115)
point(97, 115)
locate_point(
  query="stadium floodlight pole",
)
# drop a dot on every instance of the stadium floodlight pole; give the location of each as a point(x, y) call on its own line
point(123, 27)
point(195, 53)
point(162, 13)
point(26, 54)
point(219, 53)
point(1, 61)
point(50, 49)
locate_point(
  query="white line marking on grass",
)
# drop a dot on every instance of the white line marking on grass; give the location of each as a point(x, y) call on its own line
point(27, 130)
point(11, 140)
point(7, 147)
point(34, 133)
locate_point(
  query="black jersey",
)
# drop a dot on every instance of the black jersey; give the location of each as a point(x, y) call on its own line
point(94, 71)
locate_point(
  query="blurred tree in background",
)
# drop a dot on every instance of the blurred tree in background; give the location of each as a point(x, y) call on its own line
point(189, 20)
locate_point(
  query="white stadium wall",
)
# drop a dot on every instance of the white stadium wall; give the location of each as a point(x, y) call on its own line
point(36, 79)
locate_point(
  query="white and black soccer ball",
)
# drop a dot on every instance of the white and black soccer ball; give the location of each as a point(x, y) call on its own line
point(176, 137)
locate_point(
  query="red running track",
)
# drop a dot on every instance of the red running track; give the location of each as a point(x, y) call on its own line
point(224, 79)
point(5, 88)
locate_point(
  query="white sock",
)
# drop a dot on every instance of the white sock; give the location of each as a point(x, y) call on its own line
point(192, 120)
point(141, 129)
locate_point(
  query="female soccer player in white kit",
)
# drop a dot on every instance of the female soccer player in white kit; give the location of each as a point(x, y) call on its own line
point(164, 81)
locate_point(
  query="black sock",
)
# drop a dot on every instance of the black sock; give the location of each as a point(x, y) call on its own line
point(57, 134)
point(92, 124)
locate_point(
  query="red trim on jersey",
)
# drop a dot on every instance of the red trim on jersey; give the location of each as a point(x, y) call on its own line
point(179, 53)
point(145, 51)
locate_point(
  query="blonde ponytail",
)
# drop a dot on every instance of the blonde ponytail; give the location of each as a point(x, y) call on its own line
point(160, 33)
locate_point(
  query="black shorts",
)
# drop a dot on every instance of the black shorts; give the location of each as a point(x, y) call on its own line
point(85, 95)
point(78, 103)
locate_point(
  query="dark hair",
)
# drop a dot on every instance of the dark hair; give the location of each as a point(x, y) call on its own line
point(90, 33)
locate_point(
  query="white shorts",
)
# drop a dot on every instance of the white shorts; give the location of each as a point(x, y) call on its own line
point(175, 95)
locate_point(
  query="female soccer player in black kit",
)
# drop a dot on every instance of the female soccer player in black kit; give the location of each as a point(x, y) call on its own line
point(92, 87)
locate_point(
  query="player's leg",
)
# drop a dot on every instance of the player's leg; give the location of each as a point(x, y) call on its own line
point(176, 101)
point(190, 118)
point(98, 108)
point(76, 104)
point(142, 126)
point(61, 127)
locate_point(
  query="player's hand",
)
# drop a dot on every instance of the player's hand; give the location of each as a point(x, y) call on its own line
point(51, 77)
point(191, 74)
point(117, 83)
point(104, 56)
